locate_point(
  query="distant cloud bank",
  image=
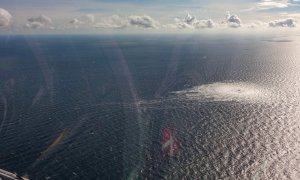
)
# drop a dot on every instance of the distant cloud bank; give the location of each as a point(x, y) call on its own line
point(112, 22)
point(136, 21)
point(143, 21)
point(190, 21)
point(75, 21)
point(87, 20)
point(5, 17)
point(38, 22)
point(118, 22)
point(289, 22)
point(270, 4)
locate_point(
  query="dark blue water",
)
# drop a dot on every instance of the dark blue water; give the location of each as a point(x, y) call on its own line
point(93, 107)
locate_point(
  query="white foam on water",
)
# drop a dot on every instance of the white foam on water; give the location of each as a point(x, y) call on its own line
point(222, 91)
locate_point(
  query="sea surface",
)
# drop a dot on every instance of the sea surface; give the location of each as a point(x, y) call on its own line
point(94, 107)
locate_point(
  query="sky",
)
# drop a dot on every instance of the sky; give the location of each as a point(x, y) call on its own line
point(92, 16)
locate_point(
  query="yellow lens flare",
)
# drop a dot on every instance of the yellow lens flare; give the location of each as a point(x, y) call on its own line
point(57, 141)
point(62, 136)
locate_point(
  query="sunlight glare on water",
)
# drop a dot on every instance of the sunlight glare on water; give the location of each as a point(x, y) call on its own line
point(221, 91)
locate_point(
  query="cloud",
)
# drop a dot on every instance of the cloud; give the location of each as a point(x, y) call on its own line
point(87, 20)
point(75, 21)
point(143, 22)
point(289, 22)
point(190, 21)
point(42, 19)
point(270, 4)
point(204, 24)
point(119, 22)
point(38, 22)
point(5, 17)
point(113, 22)
point(34, 25)
point(233, 20)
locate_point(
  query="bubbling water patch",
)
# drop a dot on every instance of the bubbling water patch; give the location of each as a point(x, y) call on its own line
point(222, 91)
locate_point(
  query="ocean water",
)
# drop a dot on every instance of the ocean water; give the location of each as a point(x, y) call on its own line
point(94, 107)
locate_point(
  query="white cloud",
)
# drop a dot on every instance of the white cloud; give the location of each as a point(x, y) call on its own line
point(204, 24)
point(233, 20)
point(87, 20)
point(289, 22)
point(34, 25)
point(5, 17)
point(75, 21)
point(270, 4)
point(119, 22)
point(114, 22)
point(190, 21)
point(38, 22)
point(143, 22)
point(42, 19)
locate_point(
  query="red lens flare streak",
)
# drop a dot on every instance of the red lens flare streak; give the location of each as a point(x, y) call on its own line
point(170, 145)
